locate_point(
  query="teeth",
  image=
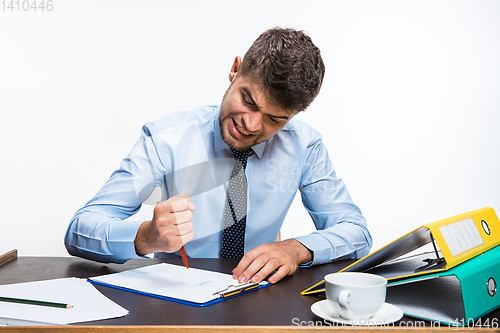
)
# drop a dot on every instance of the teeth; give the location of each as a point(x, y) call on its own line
point(241, 130)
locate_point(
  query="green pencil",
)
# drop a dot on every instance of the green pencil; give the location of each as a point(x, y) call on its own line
point(33, 302)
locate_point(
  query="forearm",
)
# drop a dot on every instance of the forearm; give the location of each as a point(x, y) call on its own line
point(141, 243)
point(97, 237)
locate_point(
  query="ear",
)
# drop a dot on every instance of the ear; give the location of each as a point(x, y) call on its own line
point(234, 68)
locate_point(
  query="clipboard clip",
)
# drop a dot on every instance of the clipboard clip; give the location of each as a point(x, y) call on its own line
point(233, 290)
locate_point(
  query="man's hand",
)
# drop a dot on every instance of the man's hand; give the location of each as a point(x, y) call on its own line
point(264, 259)
point(170, 228)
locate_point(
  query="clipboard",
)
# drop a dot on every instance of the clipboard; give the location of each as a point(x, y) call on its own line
point(454, 240)
point(196, 287)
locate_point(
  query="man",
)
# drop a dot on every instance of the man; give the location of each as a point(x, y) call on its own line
point(228, 175)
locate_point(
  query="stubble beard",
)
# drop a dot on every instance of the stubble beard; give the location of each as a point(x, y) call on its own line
point(226, 137)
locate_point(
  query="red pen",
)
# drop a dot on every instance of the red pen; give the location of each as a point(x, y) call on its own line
point(183, 253)
point(184, 257)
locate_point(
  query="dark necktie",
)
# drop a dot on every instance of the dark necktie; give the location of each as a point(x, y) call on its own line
point(235, 210)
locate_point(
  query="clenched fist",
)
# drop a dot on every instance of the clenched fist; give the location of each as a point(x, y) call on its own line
point(170, 228)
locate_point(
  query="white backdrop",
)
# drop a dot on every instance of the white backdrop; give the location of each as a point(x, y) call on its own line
point(410, 106)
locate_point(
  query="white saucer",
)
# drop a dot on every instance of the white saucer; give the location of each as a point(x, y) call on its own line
point(386, 315)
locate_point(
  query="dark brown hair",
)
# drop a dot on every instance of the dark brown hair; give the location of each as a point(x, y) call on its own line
point(289, 67)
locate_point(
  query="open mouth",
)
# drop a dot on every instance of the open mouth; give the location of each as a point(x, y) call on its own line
point(240, 129)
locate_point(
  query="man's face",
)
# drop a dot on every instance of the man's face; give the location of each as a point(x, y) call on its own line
point(247, 117)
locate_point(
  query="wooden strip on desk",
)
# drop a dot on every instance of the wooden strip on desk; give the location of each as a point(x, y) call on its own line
point(225, 329)
point(8, 257)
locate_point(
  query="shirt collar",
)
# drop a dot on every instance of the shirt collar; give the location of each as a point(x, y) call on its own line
point(219, 144)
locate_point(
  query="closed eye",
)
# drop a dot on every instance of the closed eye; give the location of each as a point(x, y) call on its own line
point(246, 96)
point(246, 101)
point(273, 119)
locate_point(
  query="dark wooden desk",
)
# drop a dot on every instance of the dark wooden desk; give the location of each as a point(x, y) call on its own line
point(277, 308)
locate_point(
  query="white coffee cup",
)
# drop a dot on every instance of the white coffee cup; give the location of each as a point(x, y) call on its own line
point(355, 296)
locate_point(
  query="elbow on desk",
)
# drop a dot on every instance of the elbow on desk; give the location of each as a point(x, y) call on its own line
point(78, 245)
point(77, 251)
point(69, 239)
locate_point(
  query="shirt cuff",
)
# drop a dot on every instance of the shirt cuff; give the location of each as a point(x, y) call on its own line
point(320, 247)
point(121, 240)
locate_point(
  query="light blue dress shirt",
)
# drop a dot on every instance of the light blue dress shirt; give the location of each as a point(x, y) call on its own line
point(184, 152)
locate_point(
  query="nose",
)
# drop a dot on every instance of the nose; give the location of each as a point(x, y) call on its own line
point(253, 121)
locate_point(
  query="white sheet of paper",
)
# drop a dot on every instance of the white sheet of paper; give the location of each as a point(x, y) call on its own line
point(88, 303)
point(174, 281)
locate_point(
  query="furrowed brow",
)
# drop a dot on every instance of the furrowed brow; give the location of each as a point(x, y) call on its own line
point(249, 94)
